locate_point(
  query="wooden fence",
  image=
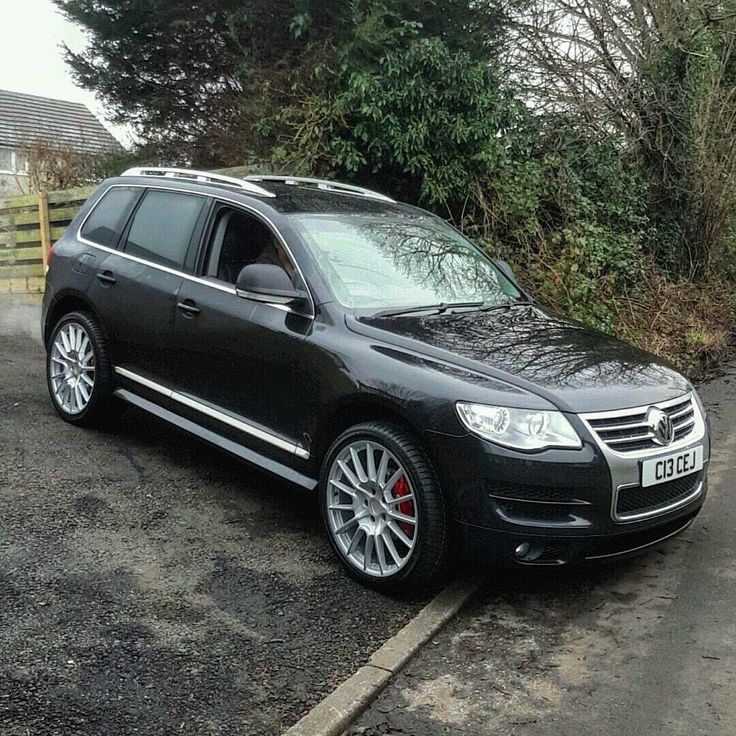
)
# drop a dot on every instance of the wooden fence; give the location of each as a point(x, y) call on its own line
point(29, 225)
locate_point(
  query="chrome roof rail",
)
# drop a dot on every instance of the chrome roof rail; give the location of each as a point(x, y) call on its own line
point(326, 184)
point(203, 176)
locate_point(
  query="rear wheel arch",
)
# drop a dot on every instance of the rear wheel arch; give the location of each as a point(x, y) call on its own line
point(64, 304)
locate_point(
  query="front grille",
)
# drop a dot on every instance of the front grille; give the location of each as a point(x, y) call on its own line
point(628, 431)
point(636, 500)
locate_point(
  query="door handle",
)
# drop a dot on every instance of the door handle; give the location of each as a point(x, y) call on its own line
point(188, 307)
point(107, 277)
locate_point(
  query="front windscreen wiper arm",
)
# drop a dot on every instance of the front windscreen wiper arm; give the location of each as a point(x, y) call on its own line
point(445, 307)
point(438, 308)
point(488, 306)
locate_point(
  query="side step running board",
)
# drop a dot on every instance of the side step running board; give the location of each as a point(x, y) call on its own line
point(218, 440)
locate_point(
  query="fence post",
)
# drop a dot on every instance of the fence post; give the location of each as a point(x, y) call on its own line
point(45, 227)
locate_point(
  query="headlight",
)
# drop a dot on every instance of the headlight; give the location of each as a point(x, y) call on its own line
point(522, 429)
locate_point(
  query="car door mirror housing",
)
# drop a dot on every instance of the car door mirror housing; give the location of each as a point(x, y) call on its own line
point(506, 270)
point(265, 282)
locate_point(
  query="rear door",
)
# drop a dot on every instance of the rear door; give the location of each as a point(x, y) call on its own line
point(138, 286)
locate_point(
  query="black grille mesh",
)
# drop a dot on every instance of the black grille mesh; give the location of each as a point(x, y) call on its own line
point(636, 499)
point(541, 512)
point(522, 492)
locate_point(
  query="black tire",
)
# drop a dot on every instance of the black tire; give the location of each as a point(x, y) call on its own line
point(102, 405)
point(428, 562)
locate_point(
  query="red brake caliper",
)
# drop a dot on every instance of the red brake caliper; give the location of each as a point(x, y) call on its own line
point(400, 489)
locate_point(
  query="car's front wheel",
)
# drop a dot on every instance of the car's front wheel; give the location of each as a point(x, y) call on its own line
point(78, 370)
point(383, 508)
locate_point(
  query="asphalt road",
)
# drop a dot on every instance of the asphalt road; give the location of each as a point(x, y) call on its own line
point(152, 585)
point(642, 647)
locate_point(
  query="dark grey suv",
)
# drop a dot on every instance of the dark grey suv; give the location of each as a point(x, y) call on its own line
point(366, 350)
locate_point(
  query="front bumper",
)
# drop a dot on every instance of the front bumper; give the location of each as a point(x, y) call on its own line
point(498, 547)
point(558, 506)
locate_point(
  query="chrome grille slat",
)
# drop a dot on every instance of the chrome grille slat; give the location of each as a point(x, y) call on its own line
point(681, 412)
point(622, 431)
point(616, 427)
point(630, 438)
point(684, 425)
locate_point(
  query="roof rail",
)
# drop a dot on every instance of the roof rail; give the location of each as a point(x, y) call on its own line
point(192, 175)
point(332, 186)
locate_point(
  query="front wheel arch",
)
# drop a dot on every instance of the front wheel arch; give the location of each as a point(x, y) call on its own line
point(430, 552)
point(356, 411)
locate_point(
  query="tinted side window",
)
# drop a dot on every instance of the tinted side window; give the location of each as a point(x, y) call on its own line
point(109, 215)
point(162, 227)
point(239, 240)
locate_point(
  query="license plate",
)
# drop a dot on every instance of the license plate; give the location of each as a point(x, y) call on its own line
point(669, 467)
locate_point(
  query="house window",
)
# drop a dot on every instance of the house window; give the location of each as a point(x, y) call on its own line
point(21, 162)
point(13, 161)
point(6, 159)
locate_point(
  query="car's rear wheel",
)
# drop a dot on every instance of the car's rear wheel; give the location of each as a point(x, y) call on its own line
point(383, 508)
point(78, 370)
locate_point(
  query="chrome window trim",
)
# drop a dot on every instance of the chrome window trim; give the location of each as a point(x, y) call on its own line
point(190, 277)
point(221, 416)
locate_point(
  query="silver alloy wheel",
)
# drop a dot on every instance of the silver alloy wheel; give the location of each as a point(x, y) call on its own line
point(371, 508)
point(72, 368)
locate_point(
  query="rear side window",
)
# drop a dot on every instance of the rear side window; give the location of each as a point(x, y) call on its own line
point(162, 227)
point(109, 215)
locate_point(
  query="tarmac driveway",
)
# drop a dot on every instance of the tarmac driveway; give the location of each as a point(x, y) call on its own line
point(152, 585)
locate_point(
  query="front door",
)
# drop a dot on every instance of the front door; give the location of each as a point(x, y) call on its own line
point(241, 358)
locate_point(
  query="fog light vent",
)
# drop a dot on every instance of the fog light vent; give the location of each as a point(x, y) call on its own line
point(529, 551)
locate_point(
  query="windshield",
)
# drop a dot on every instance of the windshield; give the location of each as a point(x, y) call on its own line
point(396, 261)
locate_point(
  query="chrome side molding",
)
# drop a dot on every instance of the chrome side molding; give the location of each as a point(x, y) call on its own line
point(220, 416)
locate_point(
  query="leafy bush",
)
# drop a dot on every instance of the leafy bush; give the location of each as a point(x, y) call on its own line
point(615, 189)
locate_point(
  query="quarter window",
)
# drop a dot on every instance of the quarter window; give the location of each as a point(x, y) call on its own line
point(108, 218)
point(162, 227)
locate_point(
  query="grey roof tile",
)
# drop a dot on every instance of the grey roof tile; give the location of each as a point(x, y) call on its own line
point(28, 119)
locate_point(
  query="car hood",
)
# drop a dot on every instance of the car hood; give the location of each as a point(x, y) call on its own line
point(576, 368)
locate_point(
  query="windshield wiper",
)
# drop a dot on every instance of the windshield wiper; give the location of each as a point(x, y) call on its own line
point(443, 307)
point(440, 308)
point(437, 308)
point(488, 306)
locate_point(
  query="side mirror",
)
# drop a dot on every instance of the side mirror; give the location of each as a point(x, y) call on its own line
point(265, 282)
point(506, 270)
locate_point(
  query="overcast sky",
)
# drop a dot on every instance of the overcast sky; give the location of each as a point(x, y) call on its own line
point(31, 57)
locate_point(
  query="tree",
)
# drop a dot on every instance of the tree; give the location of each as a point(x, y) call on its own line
point(661, 75)
point(423, 119)
point(194, 79)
